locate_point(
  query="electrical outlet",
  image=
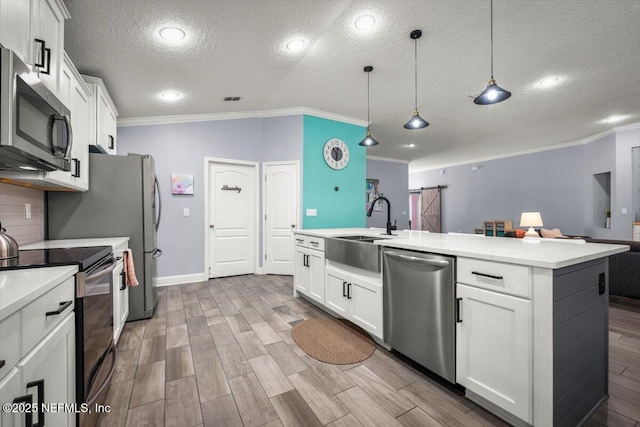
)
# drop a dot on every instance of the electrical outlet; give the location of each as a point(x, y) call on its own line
point(185, 212)
point(312, 212)
point(27, 210)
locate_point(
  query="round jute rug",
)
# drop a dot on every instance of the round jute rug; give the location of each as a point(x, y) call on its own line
point(333, 341)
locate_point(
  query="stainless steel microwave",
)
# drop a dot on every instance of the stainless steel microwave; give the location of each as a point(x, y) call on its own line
point(35, 127)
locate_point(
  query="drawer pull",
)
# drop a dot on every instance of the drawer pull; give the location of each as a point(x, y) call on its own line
point(490, 276)
point(299, 240)
point(40, 385)
point(63, 307)
point(314, 243)
point(2, 363)
point(348, 290)
point(458, 319)
point(344, 291)
point(28, 399)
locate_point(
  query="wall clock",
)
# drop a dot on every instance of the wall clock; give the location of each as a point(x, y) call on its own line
point(336, 153)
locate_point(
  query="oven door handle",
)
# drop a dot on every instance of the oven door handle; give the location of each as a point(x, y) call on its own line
point(97, 275)
point(114, 358)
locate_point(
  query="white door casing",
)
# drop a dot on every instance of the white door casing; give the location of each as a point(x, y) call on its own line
point(231, 217)
point(281, 209)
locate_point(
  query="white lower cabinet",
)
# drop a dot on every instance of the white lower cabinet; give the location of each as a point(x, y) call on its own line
point(50, 368)
point(494, 348)
point(10, 389)
point(120, 300)
point(355, 298)
point(309, 273)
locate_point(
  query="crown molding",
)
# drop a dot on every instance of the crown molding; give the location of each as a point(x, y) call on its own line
point(98, 82)
point(583, 141)
point(624, 128)
point(192, 118)
point(387, 159)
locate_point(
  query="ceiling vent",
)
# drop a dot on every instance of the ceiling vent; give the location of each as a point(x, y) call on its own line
point(232, 98)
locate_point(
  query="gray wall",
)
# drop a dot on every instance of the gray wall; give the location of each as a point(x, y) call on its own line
point(181, 149)
point(599, 158)
point(549, 182)
point(394, 183)
point(636, 183)
point(622, 197)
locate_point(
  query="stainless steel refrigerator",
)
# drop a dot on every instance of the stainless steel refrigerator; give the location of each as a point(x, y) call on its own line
point(123, 200)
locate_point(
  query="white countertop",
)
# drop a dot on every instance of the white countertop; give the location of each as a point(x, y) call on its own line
point(114, 242)
point(19, 287)
point(548, 253)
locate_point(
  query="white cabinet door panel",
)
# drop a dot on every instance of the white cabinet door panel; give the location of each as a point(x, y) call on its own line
point(366, 308)
point(301, 277)
point(494, 348)
point(335, 292)
point(315, 260)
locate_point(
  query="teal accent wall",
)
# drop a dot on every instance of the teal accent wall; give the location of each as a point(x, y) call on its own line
point(336, 209)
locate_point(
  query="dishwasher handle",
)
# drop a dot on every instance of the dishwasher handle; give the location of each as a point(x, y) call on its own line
point(433, 262)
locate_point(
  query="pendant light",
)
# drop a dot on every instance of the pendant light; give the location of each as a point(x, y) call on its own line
point(493, 93)
point(416, 122)
point(368, 140)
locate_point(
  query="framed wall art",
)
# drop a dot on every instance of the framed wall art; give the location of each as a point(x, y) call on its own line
point(181, 184)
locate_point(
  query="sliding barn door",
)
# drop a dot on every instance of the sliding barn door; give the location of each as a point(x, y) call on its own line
point(430, 214)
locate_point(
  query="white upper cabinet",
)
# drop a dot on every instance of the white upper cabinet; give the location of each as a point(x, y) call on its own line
point(76, 95)
point(103, 117)
point(34, 30)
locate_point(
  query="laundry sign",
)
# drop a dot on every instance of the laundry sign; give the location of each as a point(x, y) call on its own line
point(234, 188)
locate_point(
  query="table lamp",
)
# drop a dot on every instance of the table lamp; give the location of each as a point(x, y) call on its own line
point(531, 219)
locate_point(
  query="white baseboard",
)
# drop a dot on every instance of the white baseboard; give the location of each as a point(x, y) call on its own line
point(260, 271)
point(178, 280)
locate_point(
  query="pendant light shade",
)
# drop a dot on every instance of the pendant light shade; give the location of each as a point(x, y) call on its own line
point(416, 122)
point(368, 140)
point(493, 93)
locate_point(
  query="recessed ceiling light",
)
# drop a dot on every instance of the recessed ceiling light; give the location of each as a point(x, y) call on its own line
point(172, 34)
point(296, 45)
point(170, 96)
point(614, 119)
point(411, 145)
point(365, 22)
point(549, 81)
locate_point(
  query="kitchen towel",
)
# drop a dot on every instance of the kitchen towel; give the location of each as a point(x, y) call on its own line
point(129, 269)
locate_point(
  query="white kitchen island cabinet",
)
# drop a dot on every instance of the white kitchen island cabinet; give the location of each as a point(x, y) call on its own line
point(532, 324)
point(309, 268)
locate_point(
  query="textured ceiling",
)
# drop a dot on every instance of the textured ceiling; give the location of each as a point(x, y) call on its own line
point(237, 48)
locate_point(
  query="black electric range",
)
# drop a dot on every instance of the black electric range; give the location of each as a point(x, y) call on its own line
point(84, 258)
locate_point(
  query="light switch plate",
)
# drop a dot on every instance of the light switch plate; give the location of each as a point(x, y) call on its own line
point(27, 210)
point(185, 212)
point(312, 212)
point(623, 211)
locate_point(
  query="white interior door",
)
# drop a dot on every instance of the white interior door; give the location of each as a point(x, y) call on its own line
point(281, 216)
point(232, 219)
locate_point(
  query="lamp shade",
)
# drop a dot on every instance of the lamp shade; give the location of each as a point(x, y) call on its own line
point(531, 219)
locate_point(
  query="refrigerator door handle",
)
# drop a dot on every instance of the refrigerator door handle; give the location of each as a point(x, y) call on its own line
point(157, 186)
point(157, 253)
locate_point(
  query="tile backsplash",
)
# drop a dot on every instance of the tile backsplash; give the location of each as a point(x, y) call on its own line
point(12, 213)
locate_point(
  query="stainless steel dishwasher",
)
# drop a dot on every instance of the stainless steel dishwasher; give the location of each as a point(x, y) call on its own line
point(419, 308)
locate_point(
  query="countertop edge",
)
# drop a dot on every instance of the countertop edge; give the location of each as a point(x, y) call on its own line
point(62, 274)
point(77, 243)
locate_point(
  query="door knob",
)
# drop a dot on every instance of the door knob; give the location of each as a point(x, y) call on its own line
point(210, 225)
point(293, 226)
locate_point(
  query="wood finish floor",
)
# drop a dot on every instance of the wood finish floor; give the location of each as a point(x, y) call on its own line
point(220, 353)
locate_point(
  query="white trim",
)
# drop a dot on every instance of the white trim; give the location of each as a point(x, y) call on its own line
point(263, 269)
point(387, 159)
point(498, 156)
point(625, 128)
point(260, 272)
point(77, 75)
point(583, 141)
point(179, 279)
point(256, 166)
point(192, 118)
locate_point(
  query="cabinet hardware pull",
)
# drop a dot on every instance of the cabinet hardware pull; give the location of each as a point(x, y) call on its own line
point(40, 385)
point(602, 284)
point(2, 362)
point(344, 292)
point(76, 174)
point(458, 319)
point(111, 144)
point(314, 243)
point(47, 68)
point(299, 240)
point(307, 260)
point(490, 276)
point(41, 63)
point(123, 281)
point(348, 290)
point(28, 417)
point(63, 307)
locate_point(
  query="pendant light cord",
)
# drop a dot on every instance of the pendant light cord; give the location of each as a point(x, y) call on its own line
point(416, 71)
point(368, 121)
point(491, 39)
